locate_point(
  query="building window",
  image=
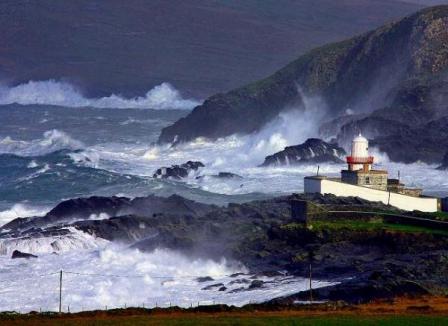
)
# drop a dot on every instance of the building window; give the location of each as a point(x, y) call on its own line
point(367, 180)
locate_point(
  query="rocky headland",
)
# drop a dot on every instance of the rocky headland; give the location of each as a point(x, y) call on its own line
point(370, 256)
point(390, 83)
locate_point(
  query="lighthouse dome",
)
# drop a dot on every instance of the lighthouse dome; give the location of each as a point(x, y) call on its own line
point(360, 138)
point(360, 146)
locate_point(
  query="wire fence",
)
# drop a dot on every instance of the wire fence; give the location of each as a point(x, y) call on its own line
point(55, 293)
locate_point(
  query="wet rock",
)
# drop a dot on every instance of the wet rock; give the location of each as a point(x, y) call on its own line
point(228, 175)
point(240, 289)
point(18, 254)
point(256, 284)
point(239, 281)
point(222, 288)
point(313, 150)
point(178, 171)
point(213, 286)
point(204, 279)
point(236, 274)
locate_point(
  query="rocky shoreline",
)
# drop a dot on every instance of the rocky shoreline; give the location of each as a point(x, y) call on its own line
point(369, 261)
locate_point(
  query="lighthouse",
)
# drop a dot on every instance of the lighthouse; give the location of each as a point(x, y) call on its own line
point(360, 158)
point(361, 179)
point(359, 171)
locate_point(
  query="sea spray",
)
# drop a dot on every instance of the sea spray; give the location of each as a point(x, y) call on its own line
point(115, 276)
point(53, 92)
point(51, 141)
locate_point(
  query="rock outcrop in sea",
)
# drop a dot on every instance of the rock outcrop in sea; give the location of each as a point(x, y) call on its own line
point(178, 171)
point(313, 150)
point(18, 254)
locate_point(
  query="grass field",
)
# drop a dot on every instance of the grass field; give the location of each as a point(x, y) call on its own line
point(234, 320)
point(425, 310)
point(374, 224)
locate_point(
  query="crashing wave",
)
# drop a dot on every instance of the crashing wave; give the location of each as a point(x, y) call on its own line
point(72, 240)
point(21, 210)
point(52, 92)
point(52, 141)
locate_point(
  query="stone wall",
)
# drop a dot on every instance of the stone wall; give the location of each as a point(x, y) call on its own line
point(325, 186)
point(371, 179)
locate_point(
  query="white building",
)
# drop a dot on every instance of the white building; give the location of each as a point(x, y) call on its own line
point(360, 180)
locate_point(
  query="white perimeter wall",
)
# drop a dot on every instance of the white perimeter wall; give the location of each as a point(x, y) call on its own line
point(325, 186)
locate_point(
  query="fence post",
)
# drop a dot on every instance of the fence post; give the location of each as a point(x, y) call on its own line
point(311, 285)
point(60, 291)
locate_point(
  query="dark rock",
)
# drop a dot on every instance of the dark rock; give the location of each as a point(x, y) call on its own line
point(228, 175)
point(331, 128)
point(213, 286)
point(369, 263)
point(239, 281)
point(204, 279)
point(177, 171)
point(222, 288)
point(82, 208)
point(313, 150)
point(18, 254)
point(240, 289)
point(256, 284)
point(236, 274)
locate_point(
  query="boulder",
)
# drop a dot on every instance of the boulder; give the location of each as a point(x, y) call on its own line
point(178, 171)
point(256, 284)
point(213, 286)
point(18, 254)
point(313, 150)
point(228, 175)
point(202, 279)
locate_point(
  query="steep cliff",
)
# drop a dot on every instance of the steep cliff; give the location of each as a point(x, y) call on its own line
point(398, 72)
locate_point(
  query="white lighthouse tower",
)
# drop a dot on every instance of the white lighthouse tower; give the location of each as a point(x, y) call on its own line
point(360, 158)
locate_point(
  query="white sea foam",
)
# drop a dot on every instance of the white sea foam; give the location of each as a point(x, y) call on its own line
point(237, 154)
point(74, 240)
point(160, 278)
point(52, 140)
point(21, 210)
point(242, 155)
point(32, 164)
point(52, 92)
